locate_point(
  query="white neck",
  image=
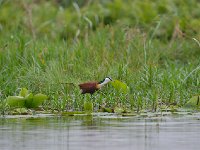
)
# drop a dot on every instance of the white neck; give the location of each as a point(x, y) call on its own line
point(103, 83)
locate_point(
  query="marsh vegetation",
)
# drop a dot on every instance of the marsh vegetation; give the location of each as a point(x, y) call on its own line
point(50, 47)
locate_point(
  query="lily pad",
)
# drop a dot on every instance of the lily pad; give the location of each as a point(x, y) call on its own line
point(120, 86)
point(24, 92)
point(16, 101)
point(38, 99)
point(26, 100)
point(88, 106)
point(20, 111)
point(118, 110)
point(193, 103)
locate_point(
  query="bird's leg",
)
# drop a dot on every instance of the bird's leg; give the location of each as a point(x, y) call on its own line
point(93, 98)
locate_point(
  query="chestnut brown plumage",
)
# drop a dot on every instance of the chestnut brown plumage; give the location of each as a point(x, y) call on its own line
point(91, 87)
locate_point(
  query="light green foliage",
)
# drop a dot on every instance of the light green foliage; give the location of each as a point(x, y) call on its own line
point(118, 110)
point(24, 93)
point(25, 99)
point(21, 111)
point(149, 45)
point(193, 103)
point(120, 86)
point(106, 109)
point(33, 101)
point(88, 107)
point(16, 101)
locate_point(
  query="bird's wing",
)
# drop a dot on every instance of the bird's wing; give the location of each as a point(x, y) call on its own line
point(88, 85)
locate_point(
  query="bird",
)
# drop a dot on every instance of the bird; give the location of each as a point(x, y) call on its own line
point(92, 87)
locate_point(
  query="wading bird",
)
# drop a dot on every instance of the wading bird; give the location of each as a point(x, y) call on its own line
point(91, 87)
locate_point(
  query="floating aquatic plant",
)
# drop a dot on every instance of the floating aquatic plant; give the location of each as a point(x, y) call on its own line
point(88, 107)
point(120, 86)
point(26, 99)
point(193, 103)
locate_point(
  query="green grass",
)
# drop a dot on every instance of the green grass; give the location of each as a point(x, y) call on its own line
point(159, 68)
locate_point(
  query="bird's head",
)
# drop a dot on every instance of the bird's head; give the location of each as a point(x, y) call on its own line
point(108, 79)
point(105, 81)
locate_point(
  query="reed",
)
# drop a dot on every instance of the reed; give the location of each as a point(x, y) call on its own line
point(157, 68)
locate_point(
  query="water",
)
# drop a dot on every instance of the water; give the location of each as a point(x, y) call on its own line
point(100, 133)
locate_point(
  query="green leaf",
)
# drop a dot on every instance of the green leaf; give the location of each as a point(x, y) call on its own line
point(88, 106)
point(26, 99)
point(118, 110)
point(194, 102)
point(20, 111)
point(29, 100)
point(120, 86)
point(23, 92)
point(38, 99)
point(16, 101)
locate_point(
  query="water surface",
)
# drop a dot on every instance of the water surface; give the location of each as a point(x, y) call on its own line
point(101, 133)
